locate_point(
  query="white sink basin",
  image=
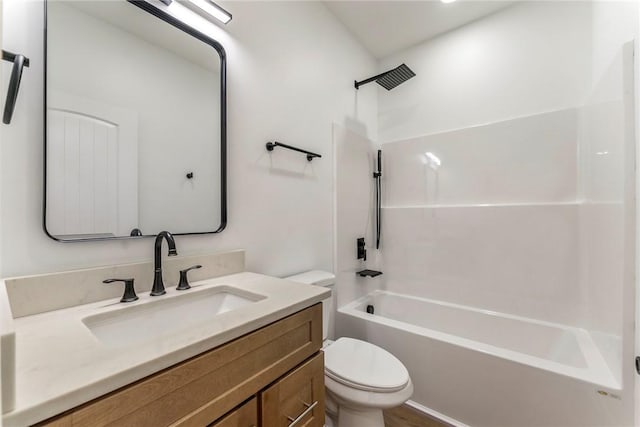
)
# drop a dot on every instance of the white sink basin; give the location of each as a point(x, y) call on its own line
point(140, 321)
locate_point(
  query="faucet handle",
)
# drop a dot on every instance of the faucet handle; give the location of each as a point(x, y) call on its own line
point(129, 290)
point(184, 282)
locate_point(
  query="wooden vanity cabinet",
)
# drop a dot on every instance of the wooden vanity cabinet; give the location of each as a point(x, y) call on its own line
point(297, 399)
point(268, 378)
point(245, 415)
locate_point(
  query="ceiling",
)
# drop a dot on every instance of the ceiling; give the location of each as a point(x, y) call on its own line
point(386, 27)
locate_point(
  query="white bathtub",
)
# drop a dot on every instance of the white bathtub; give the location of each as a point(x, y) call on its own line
point(467, 362)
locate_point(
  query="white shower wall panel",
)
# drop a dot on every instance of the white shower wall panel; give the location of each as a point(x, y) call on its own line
point(602, 264)
point(354, 157)
point(523, 160)
point(514, 259)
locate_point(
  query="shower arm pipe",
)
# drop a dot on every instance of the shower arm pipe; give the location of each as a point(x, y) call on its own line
point(357, 84)
point(310, 155)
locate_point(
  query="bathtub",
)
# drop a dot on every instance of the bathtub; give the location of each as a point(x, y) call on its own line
point(466, 362)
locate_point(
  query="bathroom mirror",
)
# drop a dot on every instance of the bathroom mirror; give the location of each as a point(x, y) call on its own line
point(135, 123)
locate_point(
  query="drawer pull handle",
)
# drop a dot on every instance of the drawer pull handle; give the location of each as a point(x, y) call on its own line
point(304, 414)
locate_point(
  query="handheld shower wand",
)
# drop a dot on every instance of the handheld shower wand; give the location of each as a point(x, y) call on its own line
point(377, 175)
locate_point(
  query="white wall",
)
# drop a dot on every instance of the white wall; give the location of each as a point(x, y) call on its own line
point(635, 290)
point(528, 58)
point(1, 145)
point(290, 75)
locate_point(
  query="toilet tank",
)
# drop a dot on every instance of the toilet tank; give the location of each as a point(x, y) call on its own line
point(324, 279)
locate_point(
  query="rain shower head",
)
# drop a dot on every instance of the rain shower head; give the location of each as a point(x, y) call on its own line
point(390, 79)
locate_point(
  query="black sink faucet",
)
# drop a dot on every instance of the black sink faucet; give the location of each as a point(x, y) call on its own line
point(158, 284)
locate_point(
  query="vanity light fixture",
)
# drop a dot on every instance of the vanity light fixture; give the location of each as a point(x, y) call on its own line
point(209, 8)
point(443, 1)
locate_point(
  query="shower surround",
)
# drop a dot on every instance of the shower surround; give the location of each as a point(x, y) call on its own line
point(525, 225)
point(509, 232)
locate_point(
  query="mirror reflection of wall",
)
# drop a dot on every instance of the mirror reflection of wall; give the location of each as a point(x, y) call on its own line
point(133, 109)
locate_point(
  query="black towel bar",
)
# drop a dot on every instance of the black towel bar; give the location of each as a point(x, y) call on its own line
point(310, 155)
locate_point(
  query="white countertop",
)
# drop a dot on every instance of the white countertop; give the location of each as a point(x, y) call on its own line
point(60, 364)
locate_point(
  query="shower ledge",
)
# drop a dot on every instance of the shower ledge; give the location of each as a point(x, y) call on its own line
point(498, 205)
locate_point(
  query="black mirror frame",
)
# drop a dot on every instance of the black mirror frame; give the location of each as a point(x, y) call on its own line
point(158, 13)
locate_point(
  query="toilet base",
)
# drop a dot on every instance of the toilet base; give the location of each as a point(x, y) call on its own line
point(359, 408)
point(350, 417)
point(330, 421)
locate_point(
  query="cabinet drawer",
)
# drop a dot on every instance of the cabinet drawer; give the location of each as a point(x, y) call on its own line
point(202, 389)
point(298, 398)
point(244, 416)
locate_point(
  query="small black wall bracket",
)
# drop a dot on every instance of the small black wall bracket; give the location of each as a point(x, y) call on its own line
point(638, 364)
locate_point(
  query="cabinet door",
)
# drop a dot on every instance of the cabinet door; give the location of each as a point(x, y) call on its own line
point(297, 399)
point(243, 416)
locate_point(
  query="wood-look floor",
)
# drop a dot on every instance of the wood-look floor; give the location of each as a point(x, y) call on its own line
point(404, 416)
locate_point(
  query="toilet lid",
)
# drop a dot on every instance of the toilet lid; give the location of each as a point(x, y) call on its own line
point(364, 366)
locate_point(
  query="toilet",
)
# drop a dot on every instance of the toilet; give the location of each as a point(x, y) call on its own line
point(361, 379)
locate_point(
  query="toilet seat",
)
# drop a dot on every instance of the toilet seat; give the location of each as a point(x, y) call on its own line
point(344, 395)
point(363, 366)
